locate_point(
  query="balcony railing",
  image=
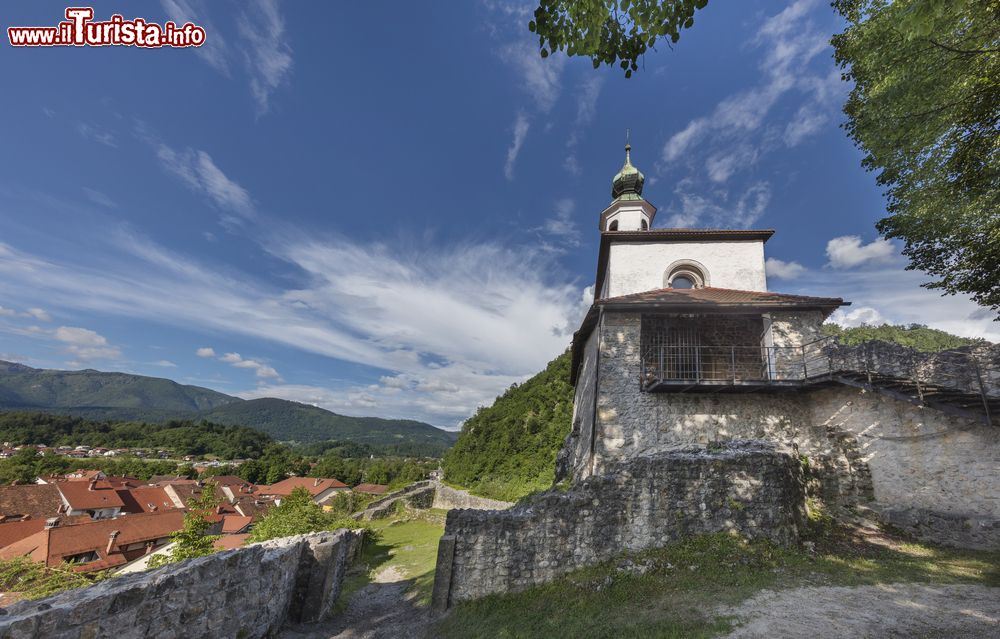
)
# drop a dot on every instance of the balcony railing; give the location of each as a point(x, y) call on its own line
point(734, 365)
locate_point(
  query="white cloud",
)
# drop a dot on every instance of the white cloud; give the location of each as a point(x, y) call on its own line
point(262, 371)
point(561, 226)
point(97, 197)
point(39, 314)
point(7, 312)
point(540, 77)
point(782, 270)
point(197, 169)
point(847, 251)
point(92, 132)
point(521, 125)
point(214, 50)
point(861, 316)
point(476, 316)
point(205, 351)
point(85, 345)
point(716, 209)
point(808, 120)
point(268, 56)
point(165, 363)
point(588, 92)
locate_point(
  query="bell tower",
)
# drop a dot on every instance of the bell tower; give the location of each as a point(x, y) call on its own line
point(628, 211)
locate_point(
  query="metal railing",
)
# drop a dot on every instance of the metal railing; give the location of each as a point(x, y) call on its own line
point(695, 364)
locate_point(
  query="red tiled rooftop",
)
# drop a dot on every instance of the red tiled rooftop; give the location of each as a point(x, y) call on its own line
point(229, 542)
point(36, 501)
point(89, 495)
point(315, 486)
point(145, 499)
point(232, 524)
point(710, 297)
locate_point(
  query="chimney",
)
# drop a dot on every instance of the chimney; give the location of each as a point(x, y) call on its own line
point(315, 483)
point(93, 482)
point(51, 522)
point(111, 541)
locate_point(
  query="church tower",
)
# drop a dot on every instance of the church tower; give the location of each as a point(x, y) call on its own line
point(628, 211)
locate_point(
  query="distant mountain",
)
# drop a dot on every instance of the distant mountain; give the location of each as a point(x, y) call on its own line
point(121, 396)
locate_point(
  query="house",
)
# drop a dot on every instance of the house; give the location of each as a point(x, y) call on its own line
point(321, 489)
point(235, 524)
point(30, 501)
point(97, 545)
point(370, 489)
point(96, 498)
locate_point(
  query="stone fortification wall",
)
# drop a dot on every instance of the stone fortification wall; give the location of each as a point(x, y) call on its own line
point(246, 593)
point(747, 487)
point(450, 498)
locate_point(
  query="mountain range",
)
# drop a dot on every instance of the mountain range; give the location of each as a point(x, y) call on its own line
point(126, 397)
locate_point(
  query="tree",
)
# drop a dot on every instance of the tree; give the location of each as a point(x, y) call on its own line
point(191, 540)
point(925, 110)
point(297, 515)
point(610, 31)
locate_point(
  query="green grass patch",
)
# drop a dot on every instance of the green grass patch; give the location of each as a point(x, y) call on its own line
point(408, 546)
point(675, 591)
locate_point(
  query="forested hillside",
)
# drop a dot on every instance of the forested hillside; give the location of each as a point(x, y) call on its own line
point(181, 437)
point(915, 336)
point(121, 397)
point(509, 449)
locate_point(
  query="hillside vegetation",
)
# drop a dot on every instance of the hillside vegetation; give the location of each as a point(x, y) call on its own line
point(916, 336)
point(120, 397)
point(509, 449)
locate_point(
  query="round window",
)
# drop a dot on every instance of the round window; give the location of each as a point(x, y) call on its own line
point(682, 281)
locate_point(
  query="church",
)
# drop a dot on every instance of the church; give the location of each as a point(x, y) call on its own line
point(703, 402)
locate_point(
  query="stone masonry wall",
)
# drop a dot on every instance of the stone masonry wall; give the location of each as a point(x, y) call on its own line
point(244, 593)
point(747, 487)
point(450, 498)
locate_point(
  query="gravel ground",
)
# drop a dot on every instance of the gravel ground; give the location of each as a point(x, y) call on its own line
point(892, 611)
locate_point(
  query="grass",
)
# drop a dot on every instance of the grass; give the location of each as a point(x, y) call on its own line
point(683, 584)
point(408, 545)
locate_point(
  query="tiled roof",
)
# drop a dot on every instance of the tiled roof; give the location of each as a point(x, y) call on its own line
point(371, 489)
point(87, 495)
point(229, 542)
point(710, 297)
point(36, 501)
point(52, 545)
point(227, 480)
point(232, 524)
point(314, 485)
point(145, 499)
point(18, 530)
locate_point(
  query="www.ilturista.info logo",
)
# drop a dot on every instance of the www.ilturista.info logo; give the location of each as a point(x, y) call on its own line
point(79, 30)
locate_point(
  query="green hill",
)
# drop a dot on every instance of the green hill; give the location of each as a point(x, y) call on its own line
point(509, 449)
point(916, 336)
point(123, 397)
point(294, 422)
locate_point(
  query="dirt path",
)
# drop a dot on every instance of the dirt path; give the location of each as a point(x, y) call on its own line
point(383, 609)
point(892, 611)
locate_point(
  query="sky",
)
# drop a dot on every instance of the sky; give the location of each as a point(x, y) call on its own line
point(392, 210)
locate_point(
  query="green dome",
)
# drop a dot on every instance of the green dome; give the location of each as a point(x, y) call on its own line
point(628, 182)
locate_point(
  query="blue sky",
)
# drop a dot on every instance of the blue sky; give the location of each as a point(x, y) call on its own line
point(393, 210)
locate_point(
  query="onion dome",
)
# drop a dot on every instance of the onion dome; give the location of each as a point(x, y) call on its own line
point(628, 183)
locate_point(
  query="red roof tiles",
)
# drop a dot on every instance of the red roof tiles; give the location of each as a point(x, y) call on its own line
point(36, 501)
point(89, 495)
point(714, 297)
point(370, 489)
point(314, 485)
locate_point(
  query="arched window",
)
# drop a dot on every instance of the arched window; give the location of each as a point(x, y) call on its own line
point(613, 226)
point(644, 224)
point(685, 274)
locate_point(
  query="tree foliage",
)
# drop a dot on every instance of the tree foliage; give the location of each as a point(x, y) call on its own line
point(925, 110)
point(35, 580)
point(610, 31)
point(297, 515)
point(192, 539)
point(916, 336)
point(509, 449)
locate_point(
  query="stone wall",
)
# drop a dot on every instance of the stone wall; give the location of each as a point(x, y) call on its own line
point(933, 474)
point(450, 498)
point(751, 488)
point(862, 448)
point(244, 593)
